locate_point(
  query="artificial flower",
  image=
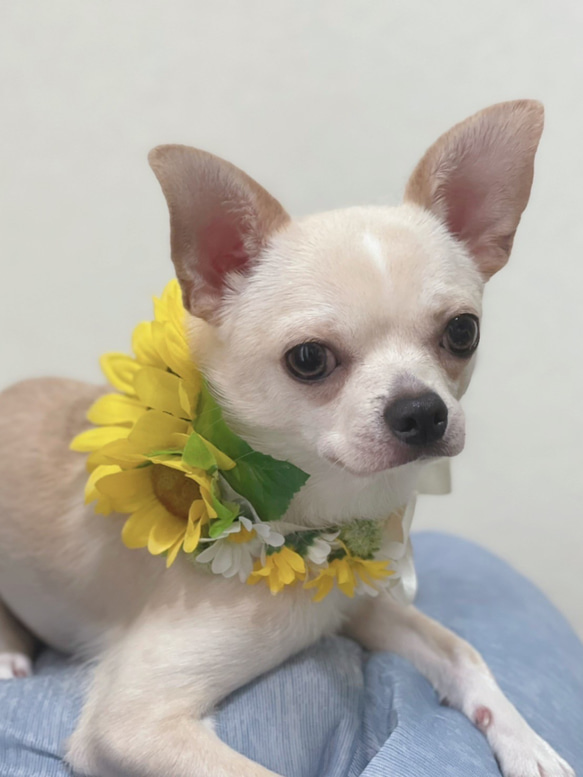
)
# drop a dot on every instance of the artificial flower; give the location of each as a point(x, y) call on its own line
point(144, 474)
point(168, 507)
point(279, 569)
point(235, 550)
point(348, 573)
point(321, 547)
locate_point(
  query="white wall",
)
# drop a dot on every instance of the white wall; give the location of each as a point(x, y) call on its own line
point(327, 103)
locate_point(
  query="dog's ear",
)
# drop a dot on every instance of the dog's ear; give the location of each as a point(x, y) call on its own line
point(220, 220)
point(477, 177)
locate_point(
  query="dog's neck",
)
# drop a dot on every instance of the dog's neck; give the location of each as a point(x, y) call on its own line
point(333, 496)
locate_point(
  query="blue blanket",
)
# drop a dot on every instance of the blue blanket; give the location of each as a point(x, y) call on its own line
point(336, 711)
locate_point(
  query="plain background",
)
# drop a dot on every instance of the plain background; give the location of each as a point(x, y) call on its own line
point(327, 103)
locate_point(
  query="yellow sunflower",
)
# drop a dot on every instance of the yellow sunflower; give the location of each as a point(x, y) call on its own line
point(168, 507)
point(144, 474)
point(136, 448)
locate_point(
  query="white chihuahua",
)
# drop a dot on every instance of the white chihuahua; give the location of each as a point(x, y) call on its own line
point(343, 343)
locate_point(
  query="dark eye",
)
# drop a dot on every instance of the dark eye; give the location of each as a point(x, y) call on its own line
point(310, 361)
point(462, 335)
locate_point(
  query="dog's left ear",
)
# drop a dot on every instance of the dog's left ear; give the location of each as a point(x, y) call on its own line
point(477, 177)
point(220, 221)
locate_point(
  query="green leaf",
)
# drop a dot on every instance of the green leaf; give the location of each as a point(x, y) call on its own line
point(210, 424)
point(224, 520)
point(268, 483)
point(226, 513)
point(197, 454)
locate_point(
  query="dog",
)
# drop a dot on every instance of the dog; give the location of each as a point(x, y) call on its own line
point(343, 343)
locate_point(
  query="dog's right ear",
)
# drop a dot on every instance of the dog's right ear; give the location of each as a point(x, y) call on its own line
point(477, 177)
point(220, 221)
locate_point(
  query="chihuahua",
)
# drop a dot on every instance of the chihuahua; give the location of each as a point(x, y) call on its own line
point(379, 308)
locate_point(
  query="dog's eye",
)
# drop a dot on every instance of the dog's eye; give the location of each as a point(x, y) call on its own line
point(310, 361)
point(462, 335)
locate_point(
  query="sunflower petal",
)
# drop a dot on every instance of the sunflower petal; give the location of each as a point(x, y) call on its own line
point(160, 390)
point(167, 530)
point(93, 439)
point(120, 452)
point(171, 345)
point(103, 506)
point(143, 346)
point(120, 370)
point(173, 553)
point(154, 431)
point(194, 526)
point(115, 409)
point(138, 526)
point(169, 307)
point(127, 490)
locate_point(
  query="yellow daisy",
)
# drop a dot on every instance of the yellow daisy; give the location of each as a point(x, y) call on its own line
point(284, 567)
point(348, 573)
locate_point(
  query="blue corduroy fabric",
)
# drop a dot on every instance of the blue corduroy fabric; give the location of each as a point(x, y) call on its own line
point(335, 711)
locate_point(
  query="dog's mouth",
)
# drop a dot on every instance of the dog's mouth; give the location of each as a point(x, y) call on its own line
point(368, 463)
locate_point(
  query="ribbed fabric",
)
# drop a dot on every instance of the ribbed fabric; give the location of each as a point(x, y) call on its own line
point(334, 711)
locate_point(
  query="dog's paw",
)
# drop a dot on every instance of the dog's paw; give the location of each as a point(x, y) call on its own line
point(14, 665)
point(530, 756)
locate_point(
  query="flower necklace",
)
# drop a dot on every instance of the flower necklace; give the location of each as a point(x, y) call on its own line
point(161, 453)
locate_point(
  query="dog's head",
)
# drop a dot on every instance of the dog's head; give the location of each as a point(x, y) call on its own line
point(349, 337)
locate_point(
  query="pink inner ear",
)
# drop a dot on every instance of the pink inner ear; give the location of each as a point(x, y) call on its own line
point(470, 197)
point(222, 250)
point(462, 201)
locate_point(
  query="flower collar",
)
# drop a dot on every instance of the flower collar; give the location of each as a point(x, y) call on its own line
point(161, 453)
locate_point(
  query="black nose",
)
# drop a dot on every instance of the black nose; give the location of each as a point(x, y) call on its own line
point(417, 420)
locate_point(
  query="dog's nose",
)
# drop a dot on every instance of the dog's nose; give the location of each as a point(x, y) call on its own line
point(417, 420)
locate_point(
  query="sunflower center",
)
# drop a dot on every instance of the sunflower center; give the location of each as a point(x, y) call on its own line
point(174, 490)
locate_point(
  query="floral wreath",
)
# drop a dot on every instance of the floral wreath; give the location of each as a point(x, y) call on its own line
point(161, 452)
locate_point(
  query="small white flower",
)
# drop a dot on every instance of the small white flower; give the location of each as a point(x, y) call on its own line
point(321, 547)
point(228, 557)
point(268, 534)
point(319, 551)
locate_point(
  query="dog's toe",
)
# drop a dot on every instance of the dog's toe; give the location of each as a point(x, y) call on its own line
point(14, 666)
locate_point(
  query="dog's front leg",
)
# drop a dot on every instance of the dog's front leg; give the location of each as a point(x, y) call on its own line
point(145, 714)
point(462, 679)
point(149, 719)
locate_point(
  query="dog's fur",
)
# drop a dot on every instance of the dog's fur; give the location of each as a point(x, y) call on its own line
point(378, 286)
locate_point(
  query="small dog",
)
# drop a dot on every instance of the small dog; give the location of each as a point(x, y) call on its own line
point(343, 343)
